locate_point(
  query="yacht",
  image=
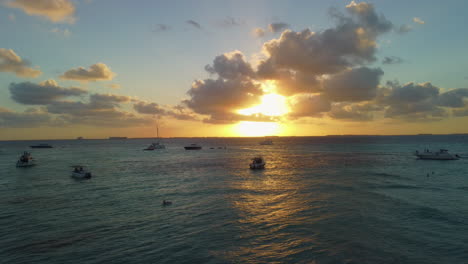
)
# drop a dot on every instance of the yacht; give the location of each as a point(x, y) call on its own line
point(80, 173)
point(442, 154)
point(257, 163)
point(266, 142)
point(26, 160)
point(156, 145)
point(41, 146)
point(193, 147)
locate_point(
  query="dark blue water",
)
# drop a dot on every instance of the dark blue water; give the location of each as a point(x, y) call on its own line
point(320, 200)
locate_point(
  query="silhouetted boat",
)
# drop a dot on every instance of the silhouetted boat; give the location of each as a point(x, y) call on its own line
point(79, 172)
point(257, 163)
point(26, 160)
point(442, 154)
point(193, 147)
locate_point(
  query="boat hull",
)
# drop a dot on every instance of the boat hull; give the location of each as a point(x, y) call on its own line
point(81, 175)
point(40, 146)
point(25, 164)
point(436, 157)
point(192, 148)
point(257, 166)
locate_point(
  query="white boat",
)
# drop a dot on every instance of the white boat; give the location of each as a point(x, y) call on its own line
point(266, 142)
point(80, 173)
point(26, 160)
point(257, 163)
point(193, 147)
point(156, 145)
point(442, 154)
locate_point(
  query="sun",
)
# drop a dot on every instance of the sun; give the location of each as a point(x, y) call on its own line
point(271, 105)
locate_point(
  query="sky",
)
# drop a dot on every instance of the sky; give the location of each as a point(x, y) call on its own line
point(101, 68)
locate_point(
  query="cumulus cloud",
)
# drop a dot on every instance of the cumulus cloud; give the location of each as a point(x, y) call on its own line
point(230, 66)
point(354, 111)
point(392, 60)
point(277, 27)
point(194, 24)
point(308, 106)
point(418, 21)
point(358, 84)
point(148, 108)
point(10, 62)
point(258, 32)
point(96, 72)
point(42, 93)
point(221, 96)
point(53, 10)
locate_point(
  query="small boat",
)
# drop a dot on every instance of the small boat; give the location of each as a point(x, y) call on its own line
point(156, 145)
point(166, 202)
point(26, 160)
point(442, 154)
point(41, 146)
point(257, 163)
point(193, 147)
point(80, 173)
point(266, 142)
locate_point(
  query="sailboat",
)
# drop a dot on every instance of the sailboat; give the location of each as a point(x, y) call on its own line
point(157, 144)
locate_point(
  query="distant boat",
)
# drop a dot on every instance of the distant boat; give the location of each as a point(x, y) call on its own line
point(156, 145)
point(26, 160)
point(266, 142)
point(442, 154)
point(41, 146)
point(193, 147)
point(117, 137)
point(79, 172)
point(79, 138)
point(257, 163)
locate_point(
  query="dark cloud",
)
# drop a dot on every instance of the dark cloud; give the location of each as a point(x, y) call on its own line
point(230, 66)
point(277, 27)
point(96, 72)
point(453, 98)
point(29, 118)
point(221, 97)
point(160, 28)
point(460, 112)
point(193, 23)
point(10, 62)
point(148, 108)
point(353, 112)
point(392, 60)
point(42, 93)
point(354, 85)
point(308, 106)
point(290, 83)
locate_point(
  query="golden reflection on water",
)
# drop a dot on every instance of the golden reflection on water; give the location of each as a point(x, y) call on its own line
point(272, 208)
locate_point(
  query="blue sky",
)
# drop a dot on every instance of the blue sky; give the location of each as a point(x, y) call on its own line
point(160, 65)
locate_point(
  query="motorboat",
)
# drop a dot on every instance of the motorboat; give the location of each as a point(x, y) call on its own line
point(79, 172)
point(41, 146)
point(154, 146)
point(26, 160)
point(193, 147)
point(257, 163)
point(442, 154)
point(266, 142)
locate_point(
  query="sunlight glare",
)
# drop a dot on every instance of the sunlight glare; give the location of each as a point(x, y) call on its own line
point(271, 105)
point(257, 129)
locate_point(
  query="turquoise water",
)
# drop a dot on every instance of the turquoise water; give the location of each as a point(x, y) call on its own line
point(319, 200)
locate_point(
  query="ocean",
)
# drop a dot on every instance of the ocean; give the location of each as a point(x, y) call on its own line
point(346, 199)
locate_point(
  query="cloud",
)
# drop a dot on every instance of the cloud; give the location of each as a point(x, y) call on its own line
point(354, 85)
point(453, 98)
point(160, 28)
point(353, 112)
point(404, 29)
point(230, 66)
point(42, 93)
point(418, 21)
point(308, 106)
point(229, 22)
point(53, 10)
point(96, 72)
point(113, 85)
point(148, 108)
point(10, 62)
point(63, 32)
point(392, 60)
point(222, 97)
point(258, 32)
point(29, 118)
point(291, 83)
point(277, 27)
point(194, 24)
